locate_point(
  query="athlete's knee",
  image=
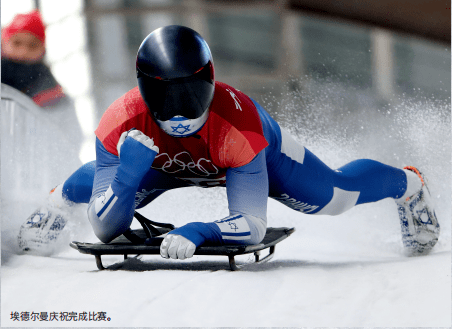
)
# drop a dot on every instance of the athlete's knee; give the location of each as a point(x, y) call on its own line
point(78, 187)
point(341, 201)
point(109, 227)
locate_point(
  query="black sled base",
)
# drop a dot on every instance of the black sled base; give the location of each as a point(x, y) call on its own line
point(143, 245)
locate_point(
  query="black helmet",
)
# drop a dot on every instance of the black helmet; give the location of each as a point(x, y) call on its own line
point(176, 78)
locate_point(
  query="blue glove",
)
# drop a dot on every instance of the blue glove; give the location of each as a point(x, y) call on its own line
point(136, 154)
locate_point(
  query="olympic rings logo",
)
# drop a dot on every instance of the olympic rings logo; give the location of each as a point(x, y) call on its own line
point(184, 162)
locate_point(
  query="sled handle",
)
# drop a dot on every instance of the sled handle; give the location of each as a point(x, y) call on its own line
point(143, 219)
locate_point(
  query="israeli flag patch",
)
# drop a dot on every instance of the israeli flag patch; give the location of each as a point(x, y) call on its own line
point(234, 228)
point(104, 203)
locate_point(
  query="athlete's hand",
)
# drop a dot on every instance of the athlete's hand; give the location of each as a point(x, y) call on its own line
point(177, 247)
point(138, 136)
point(136, 153)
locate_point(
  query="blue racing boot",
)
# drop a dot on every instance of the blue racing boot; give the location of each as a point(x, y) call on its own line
point(420, 228)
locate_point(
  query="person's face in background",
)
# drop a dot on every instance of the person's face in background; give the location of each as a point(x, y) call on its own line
point(23, 47)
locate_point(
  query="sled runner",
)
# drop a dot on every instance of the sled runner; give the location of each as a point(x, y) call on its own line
point(147, 241)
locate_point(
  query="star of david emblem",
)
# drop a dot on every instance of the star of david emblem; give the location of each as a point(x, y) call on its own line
point(233, 226)
point(423, 216)
point(180, 126)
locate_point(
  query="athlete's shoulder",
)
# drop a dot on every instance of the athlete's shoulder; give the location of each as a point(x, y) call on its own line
point(236, 123)
point(228, 97)
point(235, 107)
point(127, 112)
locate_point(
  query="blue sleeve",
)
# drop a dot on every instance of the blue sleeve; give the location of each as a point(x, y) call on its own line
point(247, 192)
point(112, 203)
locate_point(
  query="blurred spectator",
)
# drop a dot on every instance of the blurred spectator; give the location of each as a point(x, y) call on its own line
point(23, 50)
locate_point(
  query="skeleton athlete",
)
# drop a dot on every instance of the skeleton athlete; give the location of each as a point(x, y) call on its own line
point(179, 127)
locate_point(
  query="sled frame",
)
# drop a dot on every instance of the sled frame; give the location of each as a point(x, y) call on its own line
point(232, 263)
point(122, 247)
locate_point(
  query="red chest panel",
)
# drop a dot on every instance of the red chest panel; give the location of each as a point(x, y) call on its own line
point(231, 137)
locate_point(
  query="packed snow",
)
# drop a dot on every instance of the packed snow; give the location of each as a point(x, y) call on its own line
point(348, 270)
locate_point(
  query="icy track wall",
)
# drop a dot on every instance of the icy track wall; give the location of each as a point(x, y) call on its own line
point(38, 151)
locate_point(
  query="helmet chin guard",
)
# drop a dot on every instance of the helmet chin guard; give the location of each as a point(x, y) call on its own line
point(180, 126)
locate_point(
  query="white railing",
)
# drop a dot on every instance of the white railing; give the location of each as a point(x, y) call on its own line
point(39, 146)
